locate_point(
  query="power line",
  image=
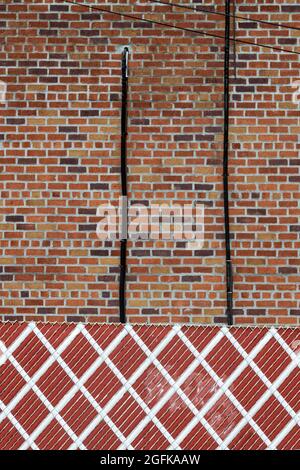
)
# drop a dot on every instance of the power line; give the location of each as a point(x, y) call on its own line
point(239, 17)
point(169, 25)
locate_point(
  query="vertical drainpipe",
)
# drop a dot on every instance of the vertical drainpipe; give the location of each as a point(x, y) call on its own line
point(123, 245)
point(229, 280)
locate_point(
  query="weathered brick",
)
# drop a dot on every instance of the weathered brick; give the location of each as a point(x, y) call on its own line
point(61, 159)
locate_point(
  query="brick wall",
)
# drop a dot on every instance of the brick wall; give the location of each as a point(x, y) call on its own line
point(60, 160)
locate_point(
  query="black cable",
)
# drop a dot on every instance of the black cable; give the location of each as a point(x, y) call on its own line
point(123, 246)
point(229, 283)
point(169, 25)
point(238, 17)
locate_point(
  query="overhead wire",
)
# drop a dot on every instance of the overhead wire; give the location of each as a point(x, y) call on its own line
point(219, 13)
point(181, 28)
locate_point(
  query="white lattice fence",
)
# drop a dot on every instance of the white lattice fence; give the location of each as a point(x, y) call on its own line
point(148, 387)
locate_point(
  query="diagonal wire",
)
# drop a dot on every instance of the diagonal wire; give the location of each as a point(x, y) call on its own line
point(169, 25)
point(218, 13)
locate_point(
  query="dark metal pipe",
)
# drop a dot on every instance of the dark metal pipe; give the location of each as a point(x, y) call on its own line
point(229, 280)
point(123, 246)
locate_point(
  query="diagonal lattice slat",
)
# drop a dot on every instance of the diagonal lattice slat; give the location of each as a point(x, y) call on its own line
point(148, 387)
